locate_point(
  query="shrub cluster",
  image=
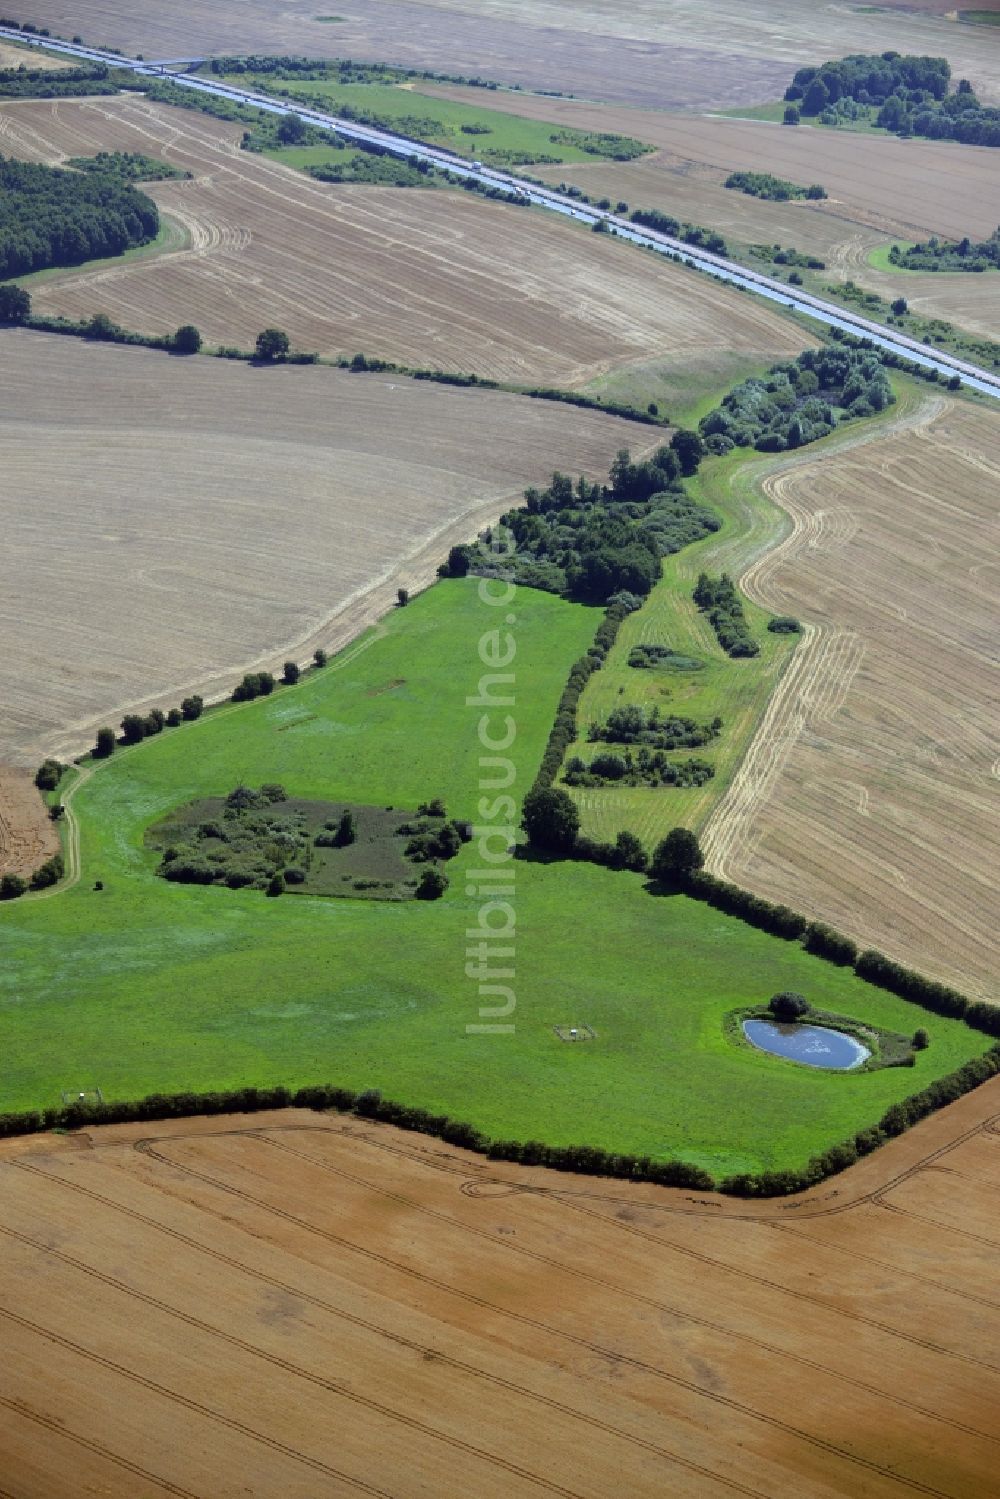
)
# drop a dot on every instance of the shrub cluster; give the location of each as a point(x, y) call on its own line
point(127, 166)
point(254, 684)
point(645, 768)
point(802, 401)
point(787, 255)
point(648, 657)
point(718, 599)
point(778, 189)
point(633, 724)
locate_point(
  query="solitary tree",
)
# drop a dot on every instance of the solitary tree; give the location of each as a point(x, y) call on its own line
point(272, 344)
point(191, 707)
point(551, 819)
point(921, 1040)
point(47, 775)
point(788, 1006)
point(433, 884)
point(900, 306)
point(15, 304)
point(791, 115)
point(105, 745)
point(11, 886)
point(689, 449)
point(174, 718)
point(133, 728)
point(677, 855)
point(402, 597)
point(319, 656)
point(187, 339)
point(276, 885)
point(290, 673)
point(346, 831)
point(629, 853)
point(291, 131)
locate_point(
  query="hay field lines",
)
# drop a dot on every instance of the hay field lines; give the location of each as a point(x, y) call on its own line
point(423, 279)
point(657, 52)
point(869, 797)
point(927, 187)
point(170, 523)
point(352, 1310)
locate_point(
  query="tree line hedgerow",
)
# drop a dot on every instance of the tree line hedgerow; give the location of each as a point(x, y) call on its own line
point(718, 600)
point(778, 189)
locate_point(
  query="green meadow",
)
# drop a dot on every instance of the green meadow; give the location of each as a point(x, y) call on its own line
point(407, 108)
point(147, 986)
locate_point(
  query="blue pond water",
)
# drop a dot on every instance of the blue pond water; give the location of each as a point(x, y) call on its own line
point(812, 1044)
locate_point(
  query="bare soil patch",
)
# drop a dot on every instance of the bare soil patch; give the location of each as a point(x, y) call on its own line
point(422, 278)
point(661, 53)
point(28, 836)
point(869, 798)
point(170, 523)
point(351, 1309)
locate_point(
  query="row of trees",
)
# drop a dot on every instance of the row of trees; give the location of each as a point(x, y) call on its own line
point(717, 598)
point(12, 886)
point(135, 727)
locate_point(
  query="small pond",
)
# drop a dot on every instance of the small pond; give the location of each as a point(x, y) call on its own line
point(812, 1044)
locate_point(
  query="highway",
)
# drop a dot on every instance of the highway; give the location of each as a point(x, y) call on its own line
point(984, 381)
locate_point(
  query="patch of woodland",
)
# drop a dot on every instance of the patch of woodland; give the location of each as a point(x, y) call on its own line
point(642, 767)
point(593, 541)
point(905, 94)
point(633, 724)
point(778, 254)
point(262, 839)
point(53, 217)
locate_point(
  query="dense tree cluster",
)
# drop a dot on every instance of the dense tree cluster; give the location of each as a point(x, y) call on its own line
point(648, 656)
point(718, 599)
point(48, 83)
point(254, 684)
point(948, 255)
point(591, 541)
point(376, 169)
point(800, 402)
point(906, 94)
point(645, 767)
point(53, 217)
point(778, 189)
point(779, 254)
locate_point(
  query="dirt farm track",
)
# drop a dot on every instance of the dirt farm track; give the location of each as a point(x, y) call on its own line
point(291, 1306)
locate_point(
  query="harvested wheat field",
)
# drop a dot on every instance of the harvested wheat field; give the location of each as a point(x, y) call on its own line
point(843, 242)
point(12, 56)
point(425, 278)
point(168, 523)
point(27, 834)
point(902, 187)
point(661, 53)
point(869, 798)
point(292, 1305)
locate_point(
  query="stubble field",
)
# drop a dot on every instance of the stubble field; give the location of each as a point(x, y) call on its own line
point(27, 834)
point(425, 279)
point(869, 797)
point(169, 523)
point(295, 1306)
point(876, 179)
point(660, 53)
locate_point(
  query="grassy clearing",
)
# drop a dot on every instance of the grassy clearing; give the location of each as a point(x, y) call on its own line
point(736, 690)
point(530, 140)
point(683, 392)
point(146, 985)
point(774, 111)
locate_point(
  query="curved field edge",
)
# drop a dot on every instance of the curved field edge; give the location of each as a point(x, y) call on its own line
point(144, 986)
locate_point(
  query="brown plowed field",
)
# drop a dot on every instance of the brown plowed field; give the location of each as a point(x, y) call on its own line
point(870, 797)
point(28, 836)
point(421, 277)
point(169, 523)
point(661, 53)
point(293, 1306)
point(903, 187)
